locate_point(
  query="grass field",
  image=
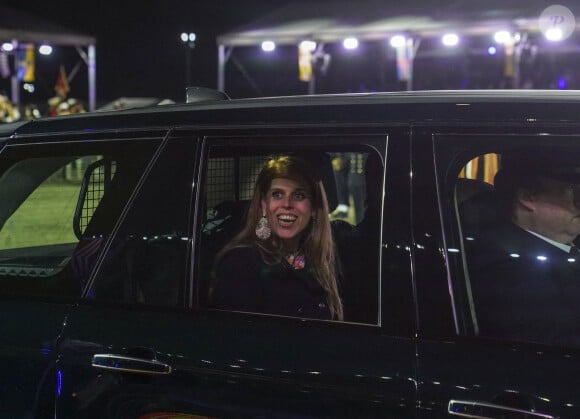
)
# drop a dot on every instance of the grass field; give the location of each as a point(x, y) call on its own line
point(46, 217)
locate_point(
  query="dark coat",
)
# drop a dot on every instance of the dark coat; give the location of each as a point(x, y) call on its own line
point(524, 288)
point(246, 283)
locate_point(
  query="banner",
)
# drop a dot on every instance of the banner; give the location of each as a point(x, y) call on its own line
point(403, 63)
point(25, 64)
point(62, 87)
point(305, 62)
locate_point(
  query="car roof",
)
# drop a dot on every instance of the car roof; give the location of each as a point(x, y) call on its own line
point(356, 108)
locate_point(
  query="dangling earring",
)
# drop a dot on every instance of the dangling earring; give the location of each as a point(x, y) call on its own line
point(263, 230)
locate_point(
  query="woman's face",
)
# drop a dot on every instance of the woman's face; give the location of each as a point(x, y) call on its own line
point(288, 207)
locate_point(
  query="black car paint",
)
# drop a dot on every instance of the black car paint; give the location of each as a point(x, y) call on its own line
point(239, 365)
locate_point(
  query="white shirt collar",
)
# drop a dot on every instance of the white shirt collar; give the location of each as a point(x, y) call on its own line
point(564, 247)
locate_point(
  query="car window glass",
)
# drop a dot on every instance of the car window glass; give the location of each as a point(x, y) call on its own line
point(146, 260)
point(518, 216)
point(52, 200)
point(353, 213)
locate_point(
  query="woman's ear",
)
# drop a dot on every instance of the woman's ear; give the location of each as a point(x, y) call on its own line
point(263, 207)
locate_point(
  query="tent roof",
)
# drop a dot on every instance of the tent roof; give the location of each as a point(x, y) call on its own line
point(375, 19)
point(24, 27)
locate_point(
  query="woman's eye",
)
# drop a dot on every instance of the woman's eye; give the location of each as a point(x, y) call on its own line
point(276, 194)
point(299, 196)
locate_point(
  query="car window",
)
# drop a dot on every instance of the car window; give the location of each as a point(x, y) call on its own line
point(517, 211)
point(58, 204)
point(353, 213)
point(146, 262)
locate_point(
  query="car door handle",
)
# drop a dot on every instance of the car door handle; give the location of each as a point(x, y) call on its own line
point(130, 364)
point(483, 410)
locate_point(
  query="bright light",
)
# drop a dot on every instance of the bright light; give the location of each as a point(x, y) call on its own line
point(398, 41)
point(188, 37)
point(492, 50)
point(45, 49)
point(7, 46)
point(554, 34)
point(29, 87)
point(268, 46)
point(502, 37)
point(308, 46)
point(350, 43)
point(450, 40)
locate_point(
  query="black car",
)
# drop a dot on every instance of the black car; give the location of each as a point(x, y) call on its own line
point(110, 223)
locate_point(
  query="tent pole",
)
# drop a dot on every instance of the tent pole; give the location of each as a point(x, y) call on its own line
point(221, 81)
point(92, 72)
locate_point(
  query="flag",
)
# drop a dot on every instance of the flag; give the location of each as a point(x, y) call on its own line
point(4, 66)
point(61, 87)
point(305, 62)
point(403, 62)
point(25, 64)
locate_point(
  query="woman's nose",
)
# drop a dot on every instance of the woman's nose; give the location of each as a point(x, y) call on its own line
point(287, 202)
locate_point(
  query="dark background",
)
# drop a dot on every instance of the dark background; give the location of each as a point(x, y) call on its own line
point(139, 54)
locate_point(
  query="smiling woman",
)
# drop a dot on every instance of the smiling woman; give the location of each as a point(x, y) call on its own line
point(283, 261)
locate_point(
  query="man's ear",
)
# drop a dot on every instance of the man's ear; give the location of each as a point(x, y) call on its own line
point(526, 199)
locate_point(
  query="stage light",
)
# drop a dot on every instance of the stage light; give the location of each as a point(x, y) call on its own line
point(450, 39)
point(398, 41)
point(308, 46)
point(45, 49)
point(492, 50)
point(268, 46)
point(501, 37)
point(554, 34)
point(350, 43)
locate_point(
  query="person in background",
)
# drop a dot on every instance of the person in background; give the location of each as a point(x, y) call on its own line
point(341, 168)
point(525, 271)
point(350, 183)
point(283, 261)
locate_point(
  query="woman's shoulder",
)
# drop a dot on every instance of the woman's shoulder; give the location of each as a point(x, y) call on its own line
point(241, 255)
point(242, 251)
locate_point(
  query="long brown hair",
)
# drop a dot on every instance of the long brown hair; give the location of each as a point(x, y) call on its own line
point(317, 242)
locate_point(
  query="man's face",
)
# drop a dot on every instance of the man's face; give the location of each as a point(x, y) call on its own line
point(556, 210)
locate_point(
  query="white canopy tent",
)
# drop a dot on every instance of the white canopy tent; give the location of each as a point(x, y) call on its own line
point(331, 22)
point(19, 28)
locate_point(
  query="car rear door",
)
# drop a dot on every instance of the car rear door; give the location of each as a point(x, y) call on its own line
point(152, 345)
point(465, 372)
point(41, 275)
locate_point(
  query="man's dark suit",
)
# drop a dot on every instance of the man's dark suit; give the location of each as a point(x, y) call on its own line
point(524, 288)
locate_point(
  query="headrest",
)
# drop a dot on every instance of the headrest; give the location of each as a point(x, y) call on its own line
point(555, 163)
point(322, 168)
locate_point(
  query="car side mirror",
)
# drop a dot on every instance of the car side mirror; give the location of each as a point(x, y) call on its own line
point(95, 184)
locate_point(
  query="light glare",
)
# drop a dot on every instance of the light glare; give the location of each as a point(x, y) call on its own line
point(450, 39)
point(45, 49)
point(7, 46)
point(184, 37)
point(501, 37)
point(398, 41)
point(308, 46)
point(554, 34)
point(268, 46)
point(350, 43)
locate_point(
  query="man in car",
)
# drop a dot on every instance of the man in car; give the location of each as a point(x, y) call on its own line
point(524, 272)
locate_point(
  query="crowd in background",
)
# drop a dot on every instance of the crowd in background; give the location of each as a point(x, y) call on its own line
point(55, 106)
